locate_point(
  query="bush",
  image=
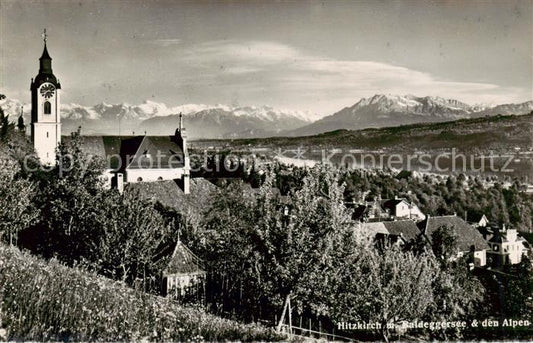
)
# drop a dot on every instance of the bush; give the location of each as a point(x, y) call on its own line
point(45, 301)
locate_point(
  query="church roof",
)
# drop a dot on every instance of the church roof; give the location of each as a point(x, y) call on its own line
point(135, 152)
point(157, 152)
point(45, 55)
point(45, 71)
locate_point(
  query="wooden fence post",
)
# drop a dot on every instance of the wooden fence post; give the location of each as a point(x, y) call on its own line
point(290, 317)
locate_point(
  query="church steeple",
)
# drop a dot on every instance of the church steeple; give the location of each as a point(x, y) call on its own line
point(45, 67)
point(45, 110)
point(45, 60)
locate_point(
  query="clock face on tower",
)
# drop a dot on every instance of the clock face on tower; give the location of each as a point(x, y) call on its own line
point(47, 91)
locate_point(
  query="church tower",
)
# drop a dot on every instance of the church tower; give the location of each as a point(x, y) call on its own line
point(45, 110)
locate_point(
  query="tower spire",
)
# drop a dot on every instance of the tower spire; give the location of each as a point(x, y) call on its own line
point(45, 60)
point(45, 36)
point(181, 121)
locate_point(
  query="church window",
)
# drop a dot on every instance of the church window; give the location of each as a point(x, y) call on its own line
point(47, 135)
point(160, 178)
point(47, 107)
point(139, 179)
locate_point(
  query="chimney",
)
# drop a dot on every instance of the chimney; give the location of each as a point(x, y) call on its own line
point(120, 182)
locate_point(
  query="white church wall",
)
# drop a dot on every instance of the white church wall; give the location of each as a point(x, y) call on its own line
point(46, 137)
point(154, 174)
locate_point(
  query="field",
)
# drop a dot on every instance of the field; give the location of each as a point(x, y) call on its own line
point(46, 301)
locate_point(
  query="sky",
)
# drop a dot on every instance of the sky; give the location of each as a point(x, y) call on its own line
point(299, 55)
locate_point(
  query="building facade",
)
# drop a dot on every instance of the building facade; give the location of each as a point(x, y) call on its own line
point(506, 247)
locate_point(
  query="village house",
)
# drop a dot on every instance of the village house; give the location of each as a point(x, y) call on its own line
point(477, 220)
point(386, 233)
point(402, 209)
point(469, 240)
point(388, 209)
point(506, 247)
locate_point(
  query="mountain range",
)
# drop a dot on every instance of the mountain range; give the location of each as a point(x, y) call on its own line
point(395, 110)
point(223, 121)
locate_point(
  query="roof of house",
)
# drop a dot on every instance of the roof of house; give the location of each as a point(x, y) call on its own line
point(169, 194)
point(134, 152)
point(405, 228)
point(374, 228)
point(183, 261)
point(467, 236)
point(475, 217)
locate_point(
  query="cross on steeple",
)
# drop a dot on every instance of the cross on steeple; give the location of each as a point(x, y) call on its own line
point(45, 36)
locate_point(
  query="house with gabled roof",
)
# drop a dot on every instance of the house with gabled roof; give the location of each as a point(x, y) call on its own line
point(184, 273)
point(477, 220)
point(401, 208)
point(469, 240)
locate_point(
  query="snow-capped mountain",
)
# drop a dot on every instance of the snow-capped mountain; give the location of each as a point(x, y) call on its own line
point(155, 118)
point(13, 108)
point(393, 110)
point(223, 121)
point(227, 122)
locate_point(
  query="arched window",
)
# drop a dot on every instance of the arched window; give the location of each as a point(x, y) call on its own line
point(160, 178)
point(139, 179)
point(47, 107)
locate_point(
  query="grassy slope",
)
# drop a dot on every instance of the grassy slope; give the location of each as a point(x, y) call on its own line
point(48, 301)
point(487, 133)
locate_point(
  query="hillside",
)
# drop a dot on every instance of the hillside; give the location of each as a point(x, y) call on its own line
point(46, 301)
point(497, 133)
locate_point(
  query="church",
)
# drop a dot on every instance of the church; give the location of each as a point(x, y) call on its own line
point(129, 159)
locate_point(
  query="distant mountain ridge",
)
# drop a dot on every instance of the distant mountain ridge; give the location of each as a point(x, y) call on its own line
point(393, 110)
point(223, 121)
point(201, 121)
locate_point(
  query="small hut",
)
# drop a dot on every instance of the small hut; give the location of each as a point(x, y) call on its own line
point(184, 274)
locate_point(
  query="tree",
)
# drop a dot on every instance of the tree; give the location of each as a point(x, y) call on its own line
point(263, 250)
point(386, 287)
point(132, 236)
point(444, 243)
point(5, 126)
point(16, 197)
point(457, 292)
point(20, 124)
point(70, 198)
